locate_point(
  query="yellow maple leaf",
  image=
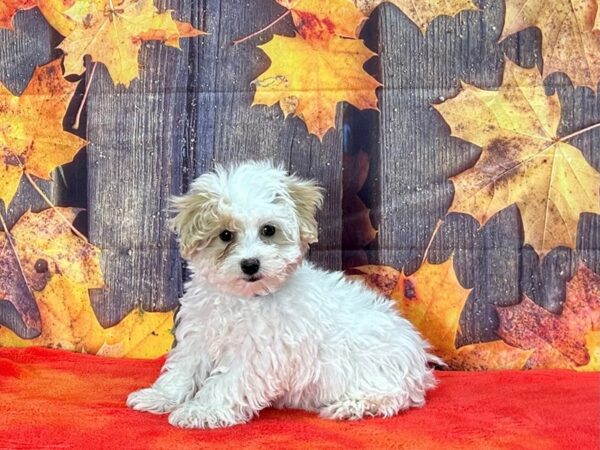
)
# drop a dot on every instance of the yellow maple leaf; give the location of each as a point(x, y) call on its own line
point(569, 42)
point(112, 31)
point(308, 79)
point(423, 12)
point(162, 27)
point(592, 341)
point(432, 299)
point(25, 145)
point(69, 322)
point(318, 19)
point(523, 161)
point(47, 236)
point(70, 266)
point(54, 13)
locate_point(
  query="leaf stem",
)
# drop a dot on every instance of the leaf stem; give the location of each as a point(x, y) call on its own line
point(577, 133)
point(85, 96)
point(53, 206)
point(438, 225)
point(280, 18)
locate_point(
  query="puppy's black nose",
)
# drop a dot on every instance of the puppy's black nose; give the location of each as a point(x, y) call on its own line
point(250, 266)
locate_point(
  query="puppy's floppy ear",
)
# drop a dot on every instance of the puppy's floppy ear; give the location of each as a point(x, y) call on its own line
point(307, 197)
point(194, 220)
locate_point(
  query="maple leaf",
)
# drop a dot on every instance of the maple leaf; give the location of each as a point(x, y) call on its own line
point(569, 42)
point(161, 27)
point(25, 145)
point(318, 19)
point(54, 13)
point(46, 239)
point(421, 13)
point(8, 9)
point(70, 265)
point(309, 79)
point(432, 299)
point(112, 32)
point(14, 287)
point(558, 340)
point(523, 161)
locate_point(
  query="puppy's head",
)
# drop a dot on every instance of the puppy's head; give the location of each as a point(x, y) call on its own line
point(244, 229)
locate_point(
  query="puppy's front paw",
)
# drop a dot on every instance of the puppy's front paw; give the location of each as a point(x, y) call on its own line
point(151, 400)
point(194, 415)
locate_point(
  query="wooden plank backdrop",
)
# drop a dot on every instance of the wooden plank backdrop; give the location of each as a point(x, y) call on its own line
point(191, 109)
point(416, 156)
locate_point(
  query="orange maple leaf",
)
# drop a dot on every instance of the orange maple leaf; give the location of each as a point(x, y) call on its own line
point(558, 341)
point(8, 9)
point(432, 299)
point(523, 161)
point(112, 32)
point(309, 78)
point(319, 20)
point(26, 146)
point(570, 42)
point(65, 267)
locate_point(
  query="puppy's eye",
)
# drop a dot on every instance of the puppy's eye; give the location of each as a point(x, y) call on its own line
point(268, 230)
point(226, 236)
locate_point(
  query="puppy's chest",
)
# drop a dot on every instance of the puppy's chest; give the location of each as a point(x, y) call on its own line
point(244, 328)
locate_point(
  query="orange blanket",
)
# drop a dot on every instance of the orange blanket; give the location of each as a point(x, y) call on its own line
point(56, 399)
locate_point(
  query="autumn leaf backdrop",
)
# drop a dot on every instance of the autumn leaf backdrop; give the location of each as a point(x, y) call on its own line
point(457, 141)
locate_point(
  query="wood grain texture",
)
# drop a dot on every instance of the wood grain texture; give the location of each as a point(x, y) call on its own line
point(135, 164)
point(409, 187)
point(229, 130)
point(191, 109)
point(21, 50)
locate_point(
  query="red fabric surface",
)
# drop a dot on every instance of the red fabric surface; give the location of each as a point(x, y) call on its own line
point(56, 399)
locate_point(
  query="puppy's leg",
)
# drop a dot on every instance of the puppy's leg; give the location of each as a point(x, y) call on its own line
point(185, 369)
point(381, 393)
point(389, 378)
point(228, 398)
point(365, 406)
point(377, 393)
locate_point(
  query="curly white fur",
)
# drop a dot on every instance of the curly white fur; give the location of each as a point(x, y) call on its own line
point(291, 336)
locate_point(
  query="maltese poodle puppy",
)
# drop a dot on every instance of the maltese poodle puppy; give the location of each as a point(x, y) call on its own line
point(260, 327)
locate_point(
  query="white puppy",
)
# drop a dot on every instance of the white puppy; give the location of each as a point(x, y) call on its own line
point(259, 327)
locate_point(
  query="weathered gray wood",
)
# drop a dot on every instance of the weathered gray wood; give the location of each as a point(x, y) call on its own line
point(135, 163)
point(418, 156)
point(229, 130)
point(191, 109)
point(410, 190)
point(21, 50)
